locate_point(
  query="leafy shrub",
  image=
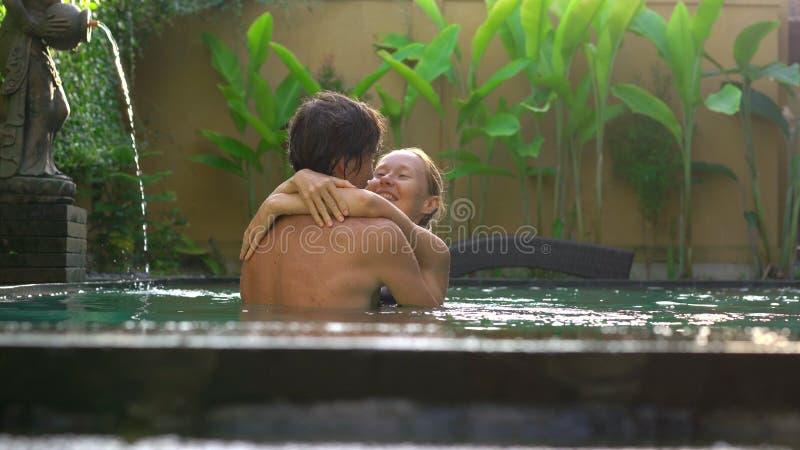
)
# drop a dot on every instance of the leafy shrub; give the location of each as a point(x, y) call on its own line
point(94, 146)
point(646, 155)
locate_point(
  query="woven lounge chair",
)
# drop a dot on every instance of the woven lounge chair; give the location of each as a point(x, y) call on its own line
point(568, 257)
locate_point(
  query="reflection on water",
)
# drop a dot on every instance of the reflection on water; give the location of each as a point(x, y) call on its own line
point(491, 311)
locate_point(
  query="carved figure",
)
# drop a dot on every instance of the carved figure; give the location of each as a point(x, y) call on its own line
point(33, 106)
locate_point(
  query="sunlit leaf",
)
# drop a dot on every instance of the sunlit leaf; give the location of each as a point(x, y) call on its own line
point(504, 124)
point(414, 80)
point(219, 163)
point(643, 102)
point(225, 62)
point(300, 71)
point(259, 36)
point(725, 101)
point(747, 42)
point(486, 31)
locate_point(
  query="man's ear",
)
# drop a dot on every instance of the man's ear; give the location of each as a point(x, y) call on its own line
point(431, 204)
point(338, 169)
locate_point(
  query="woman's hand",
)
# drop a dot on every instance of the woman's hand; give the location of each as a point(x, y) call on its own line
point(259, 225)
point(319, 193)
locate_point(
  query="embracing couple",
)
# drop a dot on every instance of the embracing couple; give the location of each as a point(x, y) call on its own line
point(321, 240)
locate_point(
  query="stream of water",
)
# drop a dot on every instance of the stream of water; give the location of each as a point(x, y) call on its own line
point(129, 109)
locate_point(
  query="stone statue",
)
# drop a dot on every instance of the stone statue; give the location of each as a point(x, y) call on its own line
point(33, 106)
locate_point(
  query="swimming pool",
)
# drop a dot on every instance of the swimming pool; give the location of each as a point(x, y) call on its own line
point(521, 363)
point(473, 311)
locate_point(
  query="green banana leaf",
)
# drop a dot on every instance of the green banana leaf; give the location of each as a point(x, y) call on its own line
point(748, 40)
point(572, 32)
point(512, 35)
point(649, 24)
point(414, 80)
point(460, 155)
point(479, 168)
point(270, 136)
point(502, 125)
point(287, 97)
point(295, 67)
point(392, 41)
point(700, 167)
point(533, 16)
point(543, 171)
point(259, 35)
point(486, 31)
point(432, 10)
point(435, 61)
point(726, 100)
point(532, 149)
point(683, 53)
point(706, 15)
point(225, 62)
point(643, 102)
point(233, 147)
point(781, 73)
point(601, 58)
point(763, 106)
point(413, 50)
point(266, 107)
point(468, 108)
point(220, 163)
point(233, 95)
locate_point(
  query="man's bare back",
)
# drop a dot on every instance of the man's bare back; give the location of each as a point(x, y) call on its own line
point(303, 265)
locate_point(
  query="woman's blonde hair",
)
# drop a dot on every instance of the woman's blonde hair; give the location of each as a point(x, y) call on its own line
point(436, 185)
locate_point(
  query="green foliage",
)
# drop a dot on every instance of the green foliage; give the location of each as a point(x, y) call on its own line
point(680, 43)
point(252, 102)
point(93, 147)
point(647, 156)
point(328, 78)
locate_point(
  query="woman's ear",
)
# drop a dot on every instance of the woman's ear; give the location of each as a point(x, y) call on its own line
point(430, 205)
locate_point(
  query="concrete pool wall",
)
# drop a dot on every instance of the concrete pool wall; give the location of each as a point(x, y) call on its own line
point(279, 382)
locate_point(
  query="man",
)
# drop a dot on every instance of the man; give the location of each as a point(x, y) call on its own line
point(301, 264)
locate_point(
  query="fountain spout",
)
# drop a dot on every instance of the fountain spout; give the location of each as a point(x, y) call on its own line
point(78, 24)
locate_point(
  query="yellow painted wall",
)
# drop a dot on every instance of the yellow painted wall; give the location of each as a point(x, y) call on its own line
point(175, 96)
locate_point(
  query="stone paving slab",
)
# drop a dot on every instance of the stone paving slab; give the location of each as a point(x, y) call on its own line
point(42, 244)
point(69, 213)
point(57, 260)
point(42, 275)
point(31, 228)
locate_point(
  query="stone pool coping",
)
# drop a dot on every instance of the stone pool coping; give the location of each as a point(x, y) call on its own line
point(261, 381)
point(56, 288)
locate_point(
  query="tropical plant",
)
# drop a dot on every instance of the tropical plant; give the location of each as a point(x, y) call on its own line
point(680, 43)
point(645, 154)
point(753, 102)
point(610, 26)
point(252, 102)
point(792, 205)
point(430, 61)
point(476, 120)
point(556, 48)
point(421, 64)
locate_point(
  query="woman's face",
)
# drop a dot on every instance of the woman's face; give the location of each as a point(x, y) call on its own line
point(400, 178)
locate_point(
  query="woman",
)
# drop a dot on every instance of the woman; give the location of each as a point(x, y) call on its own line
point(406, 188)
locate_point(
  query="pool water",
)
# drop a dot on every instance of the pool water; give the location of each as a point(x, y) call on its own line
point(494, 311)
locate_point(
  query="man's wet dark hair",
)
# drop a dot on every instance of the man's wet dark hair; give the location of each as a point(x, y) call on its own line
point(330, 127)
